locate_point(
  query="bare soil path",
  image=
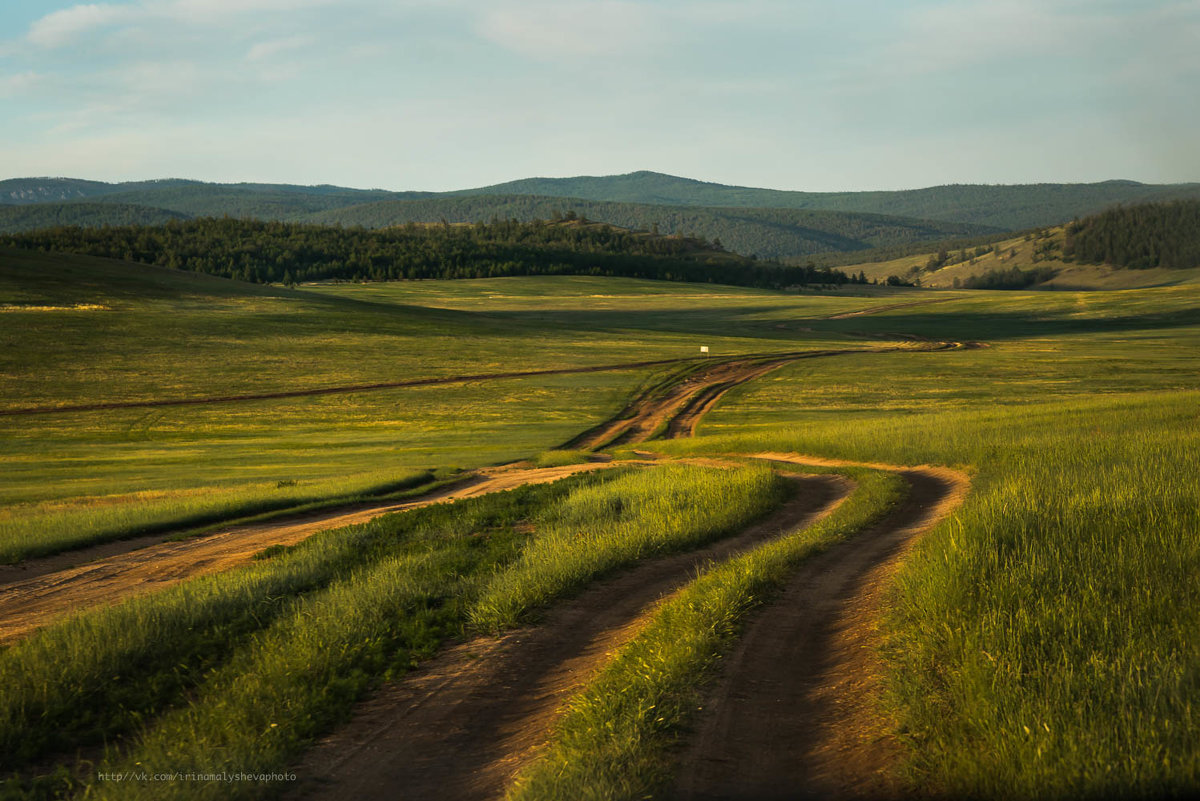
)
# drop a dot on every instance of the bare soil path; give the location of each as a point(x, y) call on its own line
point(33, 601)
point(675, 411)
point(793, 714)
point(469, 719)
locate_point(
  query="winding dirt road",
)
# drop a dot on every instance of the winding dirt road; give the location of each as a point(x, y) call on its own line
point(792, 715)
point(40, 591)
point(469, 719)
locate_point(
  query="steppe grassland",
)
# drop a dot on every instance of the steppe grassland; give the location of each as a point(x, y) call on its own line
point(1043, 640)
point(170, 334)
point(235, 672)
point(103, 331)
point(74, 478)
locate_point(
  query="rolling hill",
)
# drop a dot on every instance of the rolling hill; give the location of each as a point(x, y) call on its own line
point(1008, 207)
point(30, 217)
point(768, 223)
point(1150, 244)
point(767, 233)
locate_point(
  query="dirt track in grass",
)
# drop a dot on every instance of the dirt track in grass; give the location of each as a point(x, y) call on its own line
point(39, 591)
point(792, 710)
point(793, 714)
point(469, 719)
point(675, 410)
point(41, 596)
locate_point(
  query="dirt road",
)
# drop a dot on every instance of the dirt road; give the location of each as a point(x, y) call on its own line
point(468, 720)
point(676, 410)
point(41, 590)
point(792, 715)
point(28, 603)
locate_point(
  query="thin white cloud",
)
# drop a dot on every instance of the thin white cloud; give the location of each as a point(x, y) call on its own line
point(263, 51)
point(11, 85)
point(66, 26)
point(549, 30)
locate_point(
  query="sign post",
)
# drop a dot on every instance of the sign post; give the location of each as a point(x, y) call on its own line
point(704, 350)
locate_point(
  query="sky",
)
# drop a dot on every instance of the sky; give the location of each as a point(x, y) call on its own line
point(451, 94)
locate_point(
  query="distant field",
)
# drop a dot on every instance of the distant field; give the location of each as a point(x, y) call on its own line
point(1040, 641)
point(81, 330)
point(105, 331)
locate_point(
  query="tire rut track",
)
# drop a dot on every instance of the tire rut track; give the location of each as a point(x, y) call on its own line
point(792, 715)
point(470, 718)
point(33, 601)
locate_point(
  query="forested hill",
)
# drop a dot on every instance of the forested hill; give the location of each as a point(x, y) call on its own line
point(262, 252)
point(767, 233)
point(1139, 237)
point(1009, 207)
point(33, 216)
point(975, 207)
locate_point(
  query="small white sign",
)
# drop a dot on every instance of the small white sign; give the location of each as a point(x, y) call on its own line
point(704, 348)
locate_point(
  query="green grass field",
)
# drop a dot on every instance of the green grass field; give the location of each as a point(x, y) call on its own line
point(81, 330)
point(1041, 640)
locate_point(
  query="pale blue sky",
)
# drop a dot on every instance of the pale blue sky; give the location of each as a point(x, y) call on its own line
point(444, 94)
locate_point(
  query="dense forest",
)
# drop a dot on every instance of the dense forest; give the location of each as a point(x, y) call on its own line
point(265, 252)
point(1138, 237)
point(47, 215)
point(766, 233)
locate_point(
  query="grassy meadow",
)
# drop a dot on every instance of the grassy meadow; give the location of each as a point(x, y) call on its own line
point(190, 679)
point(82, 330)
point(1041, 642)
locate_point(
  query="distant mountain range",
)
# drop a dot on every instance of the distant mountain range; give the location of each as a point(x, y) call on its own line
point(766, 222)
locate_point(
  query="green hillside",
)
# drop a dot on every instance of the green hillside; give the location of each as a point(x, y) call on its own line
point(767, 233)
point(1143, 237)
point(30, 217)
point(20, 191)
point(261, 201)
point(1154, 244)
point(766, 222)
point(265, 252)
point(1008, 207)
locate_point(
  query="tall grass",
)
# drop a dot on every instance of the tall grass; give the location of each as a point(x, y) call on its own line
point(102, 672)
point(1043, 641)
point(642, 514)
point(614, 740)
point(393, 601)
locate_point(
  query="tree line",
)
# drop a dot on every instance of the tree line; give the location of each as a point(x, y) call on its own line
point(279, 252)
point(1138, 237)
